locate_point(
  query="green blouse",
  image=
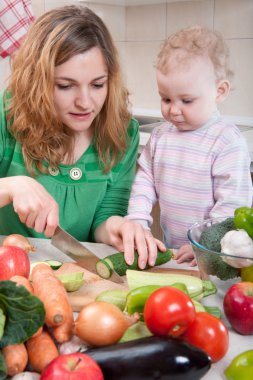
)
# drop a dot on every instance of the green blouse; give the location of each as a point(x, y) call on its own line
point(86, 196)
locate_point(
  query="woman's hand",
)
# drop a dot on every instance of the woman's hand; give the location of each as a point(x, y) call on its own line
point(128, 236)
point(34, 205)
point(185, 253)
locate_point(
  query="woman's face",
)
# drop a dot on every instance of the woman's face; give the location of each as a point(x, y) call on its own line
point(81, 86)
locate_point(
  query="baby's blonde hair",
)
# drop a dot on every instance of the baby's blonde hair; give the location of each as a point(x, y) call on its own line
point(192, 42)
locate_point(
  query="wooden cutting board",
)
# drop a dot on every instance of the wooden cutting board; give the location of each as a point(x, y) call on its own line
point(94, 285)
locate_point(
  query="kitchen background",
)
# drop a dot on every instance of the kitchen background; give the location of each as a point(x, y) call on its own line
point(140, 26)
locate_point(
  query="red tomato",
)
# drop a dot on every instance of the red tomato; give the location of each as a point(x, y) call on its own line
point(209, 334)
point(168, 311)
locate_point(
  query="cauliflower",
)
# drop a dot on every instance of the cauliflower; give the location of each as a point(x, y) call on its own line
point(237, 243)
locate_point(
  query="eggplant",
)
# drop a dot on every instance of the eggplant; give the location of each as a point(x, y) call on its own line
point(151, 358)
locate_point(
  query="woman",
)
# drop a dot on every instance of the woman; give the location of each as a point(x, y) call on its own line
point(68, 146)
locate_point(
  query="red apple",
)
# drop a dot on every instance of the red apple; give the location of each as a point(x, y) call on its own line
point(13, 261)
point(238, 307)
point(76, 366)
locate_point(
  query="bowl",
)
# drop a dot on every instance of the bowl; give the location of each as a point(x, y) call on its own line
point(213, 262)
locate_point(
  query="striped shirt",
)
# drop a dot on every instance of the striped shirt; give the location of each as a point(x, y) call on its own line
point(194, 175)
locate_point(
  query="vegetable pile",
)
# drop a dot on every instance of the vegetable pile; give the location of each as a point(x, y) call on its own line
point(36, 324)
point(233, 236)
point(159, 322)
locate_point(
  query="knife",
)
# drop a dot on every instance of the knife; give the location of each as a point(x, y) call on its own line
point(76, 251)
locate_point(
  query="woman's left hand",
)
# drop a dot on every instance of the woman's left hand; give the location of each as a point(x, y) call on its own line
point(128, 236)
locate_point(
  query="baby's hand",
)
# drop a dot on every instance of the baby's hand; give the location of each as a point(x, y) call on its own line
point(185, 253)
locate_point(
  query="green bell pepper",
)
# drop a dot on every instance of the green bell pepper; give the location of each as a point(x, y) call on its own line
point(241, 367)
point(137, 297)
point(243, 219)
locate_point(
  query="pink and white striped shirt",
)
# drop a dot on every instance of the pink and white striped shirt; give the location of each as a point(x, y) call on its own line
point(194, 175)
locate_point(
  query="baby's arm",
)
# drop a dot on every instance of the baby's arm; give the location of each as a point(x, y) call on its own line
point(232, 185)
point(185, 254)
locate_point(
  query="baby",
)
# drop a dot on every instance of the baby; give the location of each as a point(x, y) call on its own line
point(196, 164)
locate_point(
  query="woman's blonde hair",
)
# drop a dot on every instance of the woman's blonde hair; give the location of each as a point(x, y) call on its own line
point(192, 42)
point(53, 39)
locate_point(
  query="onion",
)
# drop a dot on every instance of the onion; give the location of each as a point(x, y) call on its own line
point(101, 323)
point(74, 345)
point(20, 241)
point(26, 376)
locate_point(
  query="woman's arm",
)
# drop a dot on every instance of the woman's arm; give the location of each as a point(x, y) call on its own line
point(34, 205)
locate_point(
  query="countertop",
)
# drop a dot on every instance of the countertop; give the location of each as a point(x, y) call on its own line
point(238, 343)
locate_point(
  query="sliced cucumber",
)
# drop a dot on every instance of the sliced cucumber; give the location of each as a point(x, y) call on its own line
point(71, 281)
point(54, 264)
point(104, 269)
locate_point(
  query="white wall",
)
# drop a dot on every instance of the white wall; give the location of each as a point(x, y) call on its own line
point(140, 30)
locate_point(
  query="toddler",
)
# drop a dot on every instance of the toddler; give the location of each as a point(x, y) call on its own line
point(196, 164)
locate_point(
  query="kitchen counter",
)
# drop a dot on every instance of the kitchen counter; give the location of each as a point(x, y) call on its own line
point(238, 343)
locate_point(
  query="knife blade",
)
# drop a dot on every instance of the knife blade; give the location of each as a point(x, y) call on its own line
point(79, 253)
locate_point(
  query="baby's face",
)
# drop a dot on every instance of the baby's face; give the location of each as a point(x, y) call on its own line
point(189, 93)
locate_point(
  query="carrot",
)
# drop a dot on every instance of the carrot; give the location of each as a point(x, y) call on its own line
point(64, 332)
point(16, 358)
point(21, 280)
point(41, 351)
point(38, 332)
point(49, 289)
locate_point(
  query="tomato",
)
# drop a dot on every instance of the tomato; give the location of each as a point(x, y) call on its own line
point(168, 311)
point(208, 333)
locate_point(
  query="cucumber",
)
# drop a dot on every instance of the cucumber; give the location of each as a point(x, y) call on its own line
point(151, 358)
point(54, 264)
point(104, 269)
point(117, 263)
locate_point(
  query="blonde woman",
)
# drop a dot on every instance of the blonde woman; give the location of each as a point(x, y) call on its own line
point(68, 145)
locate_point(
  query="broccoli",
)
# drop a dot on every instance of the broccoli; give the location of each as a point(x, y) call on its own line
point(210, 239)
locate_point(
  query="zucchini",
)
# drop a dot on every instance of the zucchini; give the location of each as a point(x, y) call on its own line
point(136, 331)
point(195, 286)
point(54, 264)
point(115, 296)
point(117, 262)
point(151, 358)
